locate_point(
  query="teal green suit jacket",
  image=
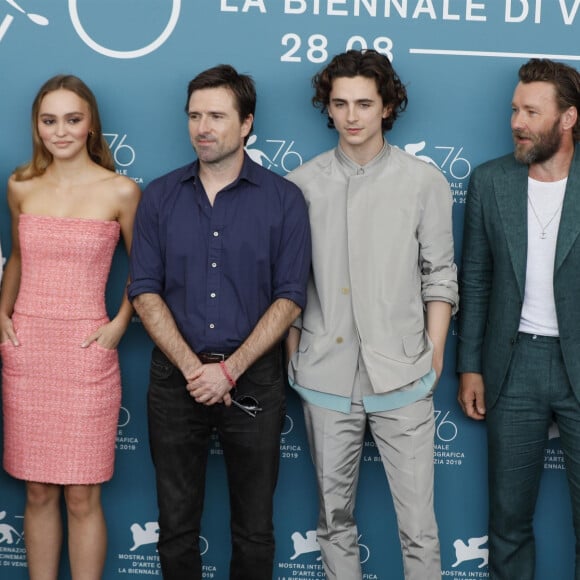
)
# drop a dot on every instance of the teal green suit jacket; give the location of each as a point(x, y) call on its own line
point(493, 272)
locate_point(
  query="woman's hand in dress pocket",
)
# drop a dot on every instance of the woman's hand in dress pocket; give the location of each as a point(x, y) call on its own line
point(106, 336)
point(7, 332)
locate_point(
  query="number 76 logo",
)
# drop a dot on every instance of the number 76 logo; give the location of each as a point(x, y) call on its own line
point(453, 163)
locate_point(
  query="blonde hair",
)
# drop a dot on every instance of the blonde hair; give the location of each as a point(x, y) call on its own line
point(97, 147)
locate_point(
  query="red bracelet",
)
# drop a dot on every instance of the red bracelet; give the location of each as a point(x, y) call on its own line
point(227, 374)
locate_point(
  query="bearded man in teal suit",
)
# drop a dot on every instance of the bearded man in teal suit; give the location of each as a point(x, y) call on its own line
point(519, 332)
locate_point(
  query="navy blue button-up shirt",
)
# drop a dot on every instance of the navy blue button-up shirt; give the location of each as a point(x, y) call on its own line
point(219, 268)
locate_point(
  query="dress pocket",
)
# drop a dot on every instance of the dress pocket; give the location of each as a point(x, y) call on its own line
point(103, 348)
point(98, 359)
point(12, 357)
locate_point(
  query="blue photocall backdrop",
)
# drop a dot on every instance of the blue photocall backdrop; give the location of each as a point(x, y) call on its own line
point(459, 61)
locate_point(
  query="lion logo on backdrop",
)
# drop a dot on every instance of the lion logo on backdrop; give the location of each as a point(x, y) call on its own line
point(471, 551)
point(148, 533)
point(304, 544)
point(143, 535)
point(8, 534)
point(415, 148)
point(449, 159)
point(283, 158)
point(308, 544)
point(256, 154)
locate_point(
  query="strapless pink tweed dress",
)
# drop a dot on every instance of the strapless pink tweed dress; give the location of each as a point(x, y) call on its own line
point(60, 401)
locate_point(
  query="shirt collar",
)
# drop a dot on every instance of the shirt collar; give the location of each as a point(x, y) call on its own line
point(190, 172)
point(353, 168)
point(249, 172)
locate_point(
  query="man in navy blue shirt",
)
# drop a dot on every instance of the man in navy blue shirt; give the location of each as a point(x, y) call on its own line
point(219, 267)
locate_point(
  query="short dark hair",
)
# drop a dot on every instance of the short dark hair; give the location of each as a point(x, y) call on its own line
point(225, 75)
point(566, 81)
point(365, 63)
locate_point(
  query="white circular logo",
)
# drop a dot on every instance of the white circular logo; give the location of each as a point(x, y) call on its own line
point(288, 425)
point(203, 546)
point(173, 18)
point(124, 417)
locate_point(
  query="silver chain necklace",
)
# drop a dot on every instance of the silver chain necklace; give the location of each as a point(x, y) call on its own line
point(544, 227)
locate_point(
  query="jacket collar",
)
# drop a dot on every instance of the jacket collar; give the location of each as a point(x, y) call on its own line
point(511, 192)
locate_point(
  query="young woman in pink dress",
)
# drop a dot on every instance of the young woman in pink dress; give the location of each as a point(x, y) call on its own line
point(61, 385)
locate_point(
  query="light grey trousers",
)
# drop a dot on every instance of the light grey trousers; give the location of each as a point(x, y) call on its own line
point(404, 438)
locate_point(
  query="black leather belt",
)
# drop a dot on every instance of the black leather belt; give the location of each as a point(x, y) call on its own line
point(212, 357)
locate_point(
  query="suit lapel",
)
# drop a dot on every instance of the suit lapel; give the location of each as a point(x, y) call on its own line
point(570, 220)
point(511, 191)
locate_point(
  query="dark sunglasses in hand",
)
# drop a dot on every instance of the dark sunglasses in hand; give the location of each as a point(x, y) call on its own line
point(247, 404)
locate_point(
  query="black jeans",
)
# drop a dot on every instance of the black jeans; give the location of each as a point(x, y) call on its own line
point(179, 435)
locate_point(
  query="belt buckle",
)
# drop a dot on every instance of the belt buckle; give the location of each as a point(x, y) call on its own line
point(212, 357)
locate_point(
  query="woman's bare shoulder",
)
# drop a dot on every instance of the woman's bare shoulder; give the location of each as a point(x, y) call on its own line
point(125, 187)
point(20, 188)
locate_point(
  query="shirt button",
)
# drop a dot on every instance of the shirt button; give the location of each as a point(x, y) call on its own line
point(212, 295)
point(216, 234)
point(214, 265)
point(339, 340)
point(212, 325)
point(345, 290)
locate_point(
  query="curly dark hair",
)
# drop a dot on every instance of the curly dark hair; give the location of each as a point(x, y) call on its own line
point(566, 81)
point(365, 63)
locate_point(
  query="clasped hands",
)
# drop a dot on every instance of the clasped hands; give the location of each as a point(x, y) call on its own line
point(208, 385)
